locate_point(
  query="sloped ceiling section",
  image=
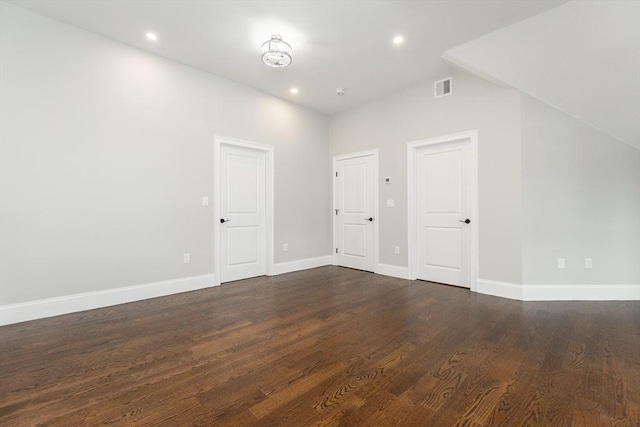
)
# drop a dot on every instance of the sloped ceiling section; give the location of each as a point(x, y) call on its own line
point(582, 58)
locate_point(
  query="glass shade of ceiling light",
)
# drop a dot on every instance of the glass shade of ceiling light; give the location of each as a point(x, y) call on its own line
point(276, 52)
point(398, 40)
point(294, 90)
point(152, 36)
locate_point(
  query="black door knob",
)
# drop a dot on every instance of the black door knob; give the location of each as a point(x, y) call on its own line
point(368, 219)
point(466, 221)
point(222, 220)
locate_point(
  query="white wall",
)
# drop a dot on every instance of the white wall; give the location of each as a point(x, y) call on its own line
point(413, 114)
point(107, 151)
point(580, 199)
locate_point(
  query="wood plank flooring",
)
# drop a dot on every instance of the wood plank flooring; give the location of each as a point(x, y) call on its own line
point(326, 347)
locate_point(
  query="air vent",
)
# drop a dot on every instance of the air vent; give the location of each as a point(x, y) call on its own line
point(442, 88)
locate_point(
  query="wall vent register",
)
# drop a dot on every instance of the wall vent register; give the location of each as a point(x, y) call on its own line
point(442, 88)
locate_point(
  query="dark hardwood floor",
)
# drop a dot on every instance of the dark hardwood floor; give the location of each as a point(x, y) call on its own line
point(328, 346)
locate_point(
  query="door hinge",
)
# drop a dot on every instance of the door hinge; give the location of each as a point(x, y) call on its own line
point(337, 210)
point(336, 250)
point(336, 174)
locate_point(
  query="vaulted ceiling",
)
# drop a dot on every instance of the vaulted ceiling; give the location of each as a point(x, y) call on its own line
point(335, 43)
point(581, 57)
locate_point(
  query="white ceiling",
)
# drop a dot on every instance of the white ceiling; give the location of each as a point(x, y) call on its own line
point(582, 57)
point(335, 43)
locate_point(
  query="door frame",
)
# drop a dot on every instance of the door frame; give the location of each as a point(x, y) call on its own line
point(412, 150)
point(376, 222)
point(218, 141)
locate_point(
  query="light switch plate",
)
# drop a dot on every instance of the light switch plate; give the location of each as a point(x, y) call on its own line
point(391, 203)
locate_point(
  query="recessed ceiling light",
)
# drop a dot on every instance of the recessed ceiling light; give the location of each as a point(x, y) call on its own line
point(294, 90)
point(398, 39)
point(152, 36)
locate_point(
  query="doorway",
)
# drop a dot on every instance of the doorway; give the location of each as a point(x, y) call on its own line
point(443, 218)
point(243, 209)
point(355, 206)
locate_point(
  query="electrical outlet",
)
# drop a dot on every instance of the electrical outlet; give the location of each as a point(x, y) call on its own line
point(396, 250)
point(186, 258)
point(285, 247)
point(588, 263)
point(391, 203)
point(561, 263)
point(205, 201)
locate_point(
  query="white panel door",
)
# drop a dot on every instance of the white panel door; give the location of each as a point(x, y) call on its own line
point(242, 213)
point(444, 205)
point(355, 204)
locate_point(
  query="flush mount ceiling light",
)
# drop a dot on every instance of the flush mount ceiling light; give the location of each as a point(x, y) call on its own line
point(276, 52)
point(152, 36)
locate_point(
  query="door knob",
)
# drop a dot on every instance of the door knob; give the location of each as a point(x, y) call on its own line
point(222, 220)
point(369, 219)
point(466, 221)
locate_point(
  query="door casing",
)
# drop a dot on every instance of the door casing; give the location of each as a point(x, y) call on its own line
point(269, 202)
point(376, 222)
point(412, 149)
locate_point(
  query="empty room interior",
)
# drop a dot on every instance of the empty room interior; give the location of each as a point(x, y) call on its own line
point(320, 213)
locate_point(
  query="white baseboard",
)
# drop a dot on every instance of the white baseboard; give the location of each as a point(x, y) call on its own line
point(39, 309)
point(559, 292)
point(301, 264)
point(393, 271)
point(499, 289)
point(581, 292)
